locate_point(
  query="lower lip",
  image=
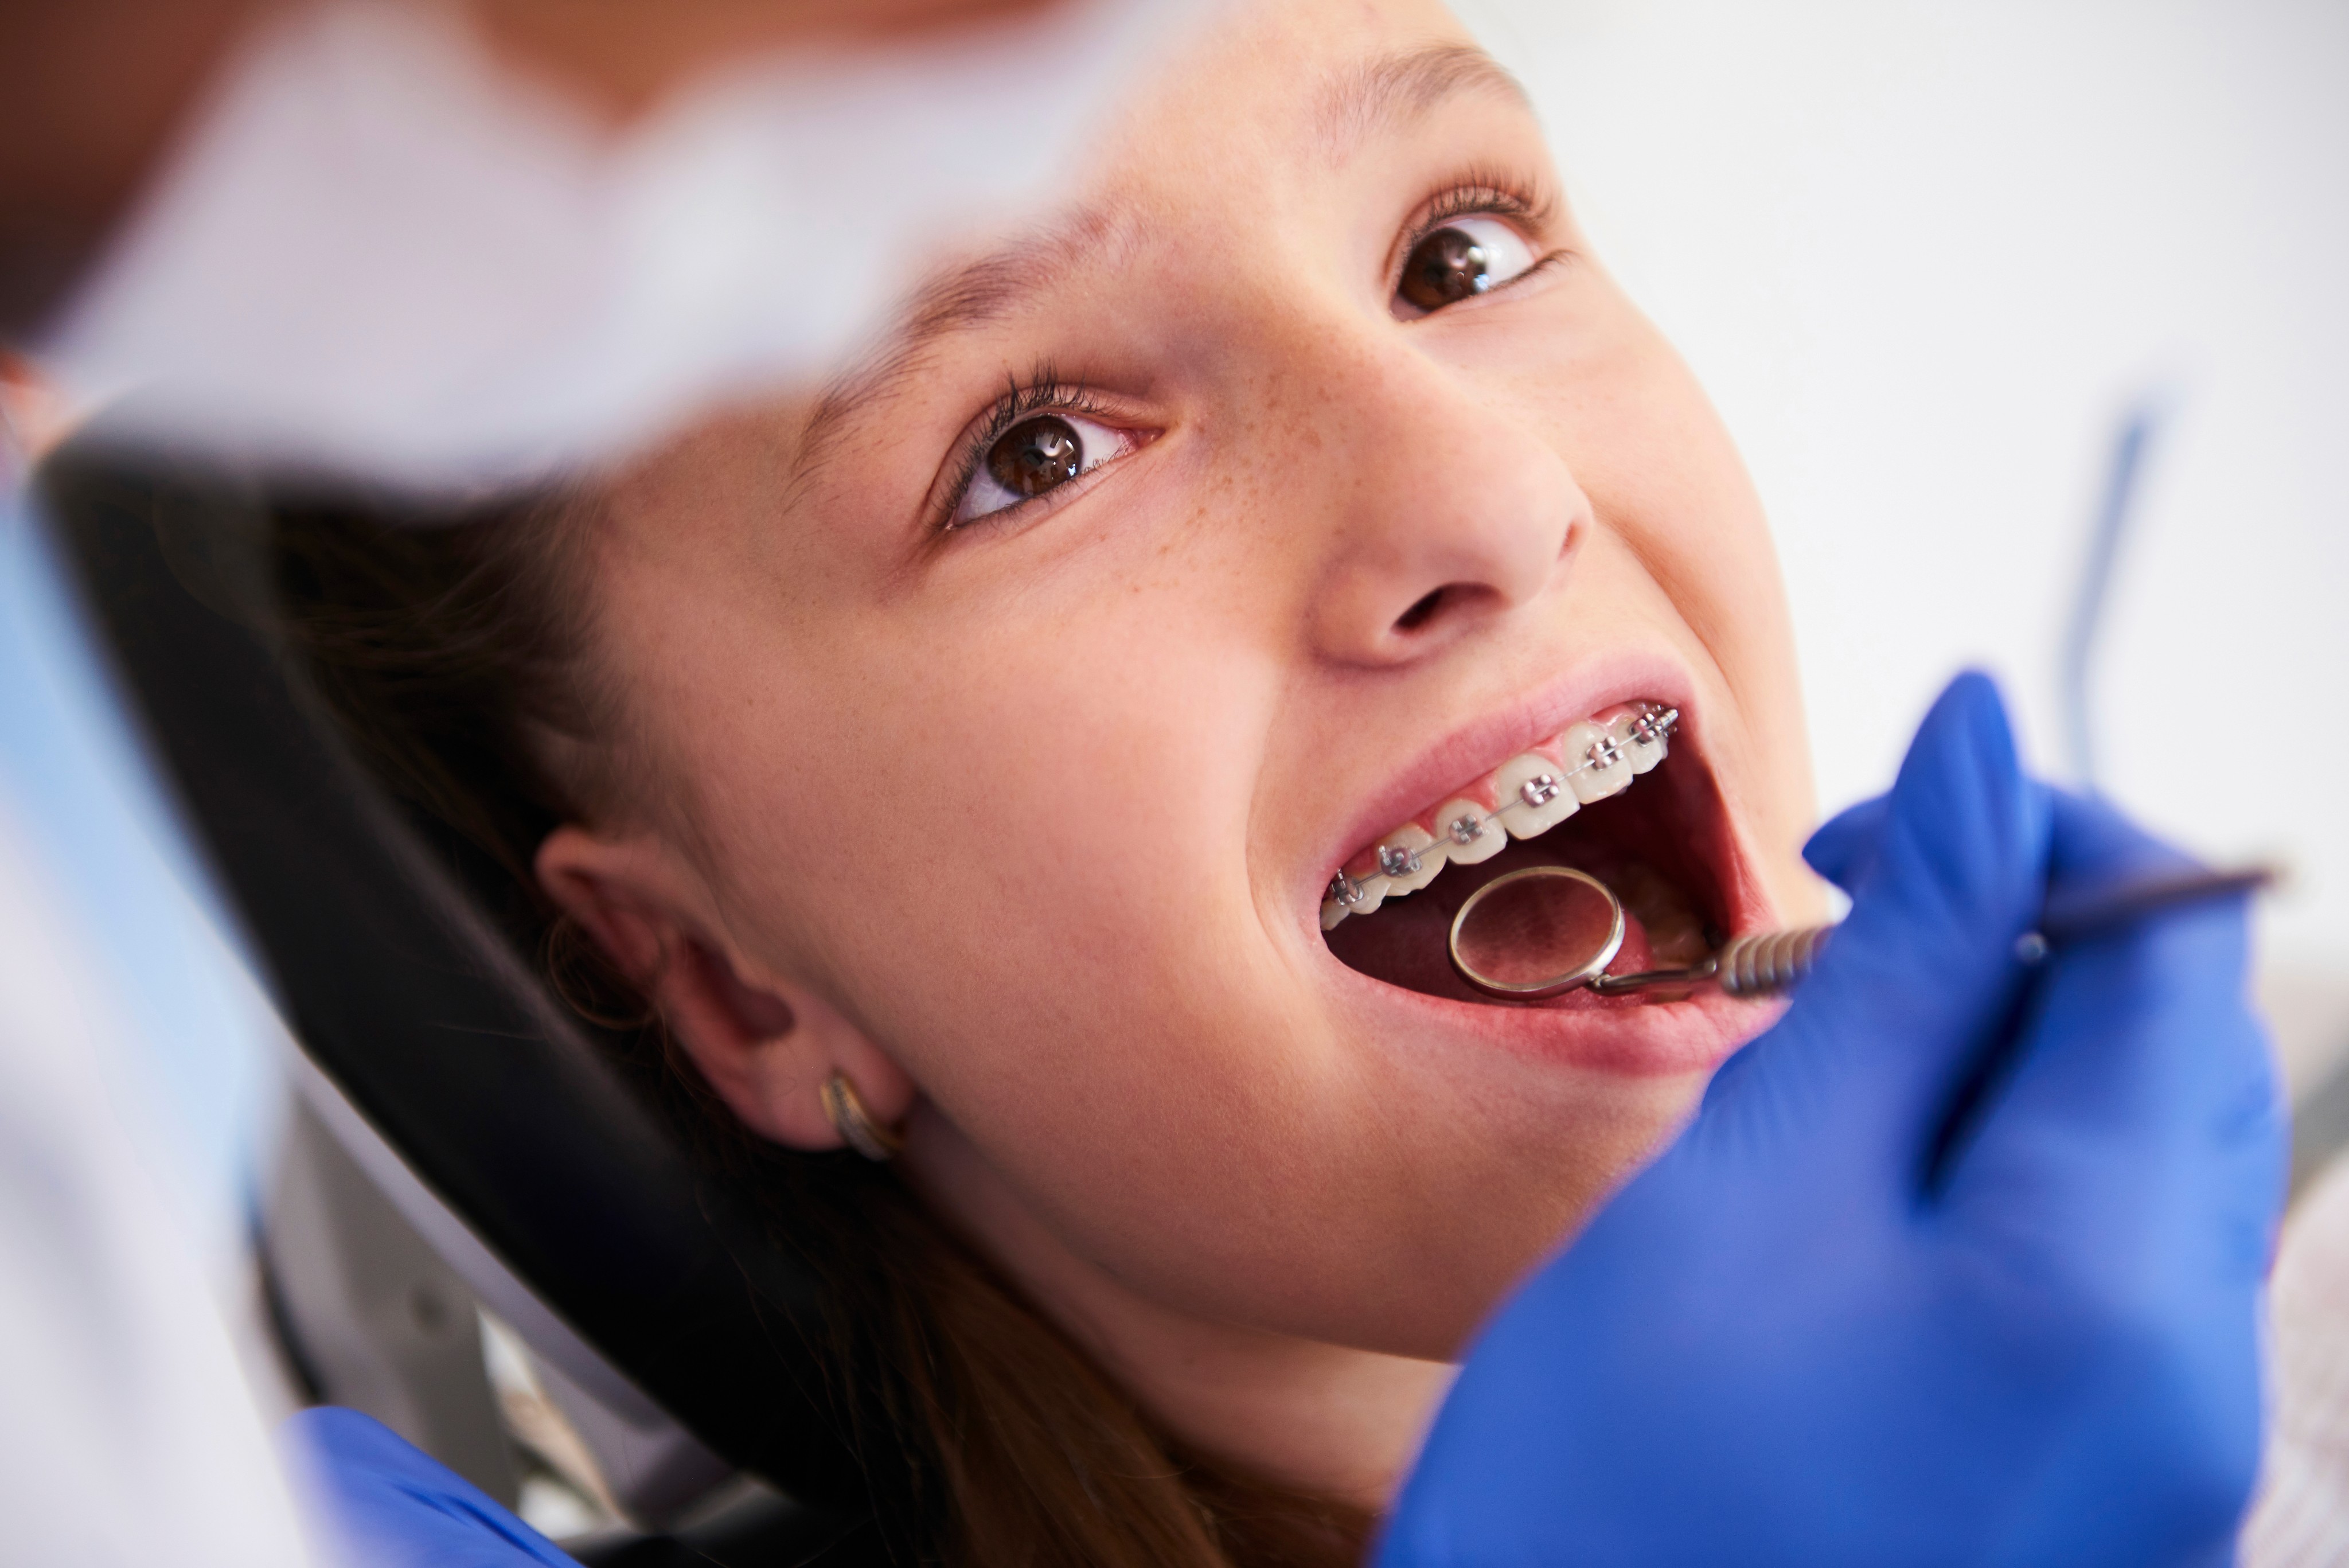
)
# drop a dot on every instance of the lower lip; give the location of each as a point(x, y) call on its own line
point(1626, 1036)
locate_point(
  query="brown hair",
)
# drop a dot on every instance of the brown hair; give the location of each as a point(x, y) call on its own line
point(453, 656)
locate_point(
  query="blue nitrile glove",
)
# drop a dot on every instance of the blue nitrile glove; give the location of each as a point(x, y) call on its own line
point(386, 1504)
point(1831, 1325)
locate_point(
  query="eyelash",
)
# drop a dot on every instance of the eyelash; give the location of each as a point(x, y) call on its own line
point(1482, 193)
point(1043, 392)
point(1480, 196)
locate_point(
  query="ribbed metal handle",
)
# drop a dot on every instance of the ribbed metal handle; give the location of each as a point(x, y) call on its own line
point(1769, 963)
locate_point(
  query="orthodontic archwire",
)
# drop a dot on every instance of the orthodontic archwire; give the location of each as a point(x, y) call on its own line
point(1652, 727)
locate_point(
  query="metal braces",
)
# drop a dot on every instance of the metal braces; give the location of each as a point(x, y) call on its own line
point(1654, 726)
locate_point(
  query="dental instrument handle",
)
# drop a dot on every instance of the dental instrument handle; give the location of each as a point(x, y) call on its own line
point(1769, 963)
point(2072, 913)
point(1772, 963)
point(1766, 963)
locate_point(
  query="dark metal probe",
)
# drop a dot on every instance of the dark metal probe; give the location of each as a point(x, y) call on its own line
point(1771, 963)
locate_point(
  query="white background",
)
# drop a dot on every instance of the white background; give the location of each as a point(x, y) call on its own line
point(1925, 256)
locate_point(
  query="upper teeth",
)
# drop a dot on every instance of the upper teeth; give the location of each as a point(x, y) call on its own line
point(1531, 794)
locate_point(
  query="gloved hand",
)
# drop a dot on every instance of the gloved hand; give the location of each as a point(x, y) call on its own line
point(383, 1503)
point(1957, 1264)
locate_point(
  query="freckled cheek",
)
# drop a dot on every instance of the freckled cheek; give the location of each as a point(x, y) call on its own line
point(1661, 471)
point(1098, 796)
point(1033, 789)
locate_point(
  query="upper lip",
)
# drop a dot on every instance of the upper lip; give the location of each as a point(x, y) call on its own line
point(1477, 746)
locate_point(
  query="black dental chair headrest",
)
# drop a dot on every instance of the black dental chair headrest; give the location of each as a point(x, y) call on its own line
point(422, 1015)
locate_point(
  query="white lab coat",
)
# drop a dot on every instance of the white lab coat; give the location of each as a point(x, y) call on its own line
point(132, 1073)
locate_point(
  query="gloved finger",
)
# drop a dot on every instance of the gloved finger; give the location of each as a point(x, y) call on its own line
point(1844, 847)
point(2142, 1117)
point(1919, 982)
point(2097, 847)
point(2094, 846)
point(389, 1505)
point(2131, 1169)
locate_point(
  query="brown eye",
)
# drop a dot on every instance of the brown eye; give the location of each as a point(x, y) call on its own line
point(1445, 267)
point(1472, 255)
point(1041, 452)
point(1036, 455)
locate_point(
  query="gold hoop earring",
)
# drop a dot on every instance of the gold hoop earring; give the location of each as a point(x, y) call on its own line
point(854, 1124)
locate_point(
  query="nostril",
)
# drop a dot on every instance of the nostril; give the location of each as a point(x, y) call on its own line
point(1420, 614)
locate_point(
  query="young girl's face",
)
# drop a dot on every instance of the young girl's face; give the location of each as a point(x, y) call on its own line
point(1001, 717)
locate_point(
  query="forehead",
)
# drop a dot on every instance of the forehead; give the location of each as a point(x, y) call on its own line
point(1299, 88)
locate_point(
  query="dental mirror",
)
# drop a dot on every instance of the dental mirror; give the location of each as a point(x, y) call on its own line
point(1548, 929)
point(1536, 933)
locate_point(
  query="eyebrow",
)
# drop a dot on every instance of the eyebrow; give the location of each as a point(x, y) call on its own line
point(1355, 103)
point(1381, 94)
point(960, 299)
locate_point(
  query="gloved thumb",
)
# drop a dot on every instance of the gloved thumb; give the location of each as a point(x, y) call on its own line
point(1914, 990)
point(1844, 848)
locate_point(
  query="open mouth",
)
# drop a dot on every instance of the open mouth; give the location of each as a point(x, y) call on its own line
point(1606, 797)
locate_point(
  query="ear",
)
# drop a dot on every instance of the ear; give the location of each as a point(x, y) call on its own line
point(764, 1042)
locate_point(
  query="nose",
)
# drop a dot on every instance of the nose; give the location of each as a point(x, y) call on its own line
point(1445, 513)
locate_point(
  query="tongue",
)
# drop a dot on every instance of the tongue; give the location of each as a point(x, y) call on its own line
point(1404, 942)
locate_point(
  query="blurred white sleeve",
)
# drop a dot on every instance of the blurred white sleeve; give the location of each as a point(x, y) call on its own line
point(383, 254)
point(134, 1083)
point(127, 1435)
